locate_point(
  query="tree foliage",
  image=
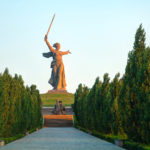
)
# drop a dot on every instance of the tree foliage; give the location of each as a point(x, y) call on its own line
point(20, 106)
point(120, 106)
point(134, 97)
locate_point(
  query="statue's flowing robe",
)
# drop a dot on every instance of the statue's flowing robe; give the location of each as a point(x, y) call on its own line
point(57, 79)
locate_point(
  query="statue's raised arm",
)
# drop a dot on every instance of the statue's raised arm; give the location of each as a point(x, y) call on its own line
point(46, 40)
point(48, 44)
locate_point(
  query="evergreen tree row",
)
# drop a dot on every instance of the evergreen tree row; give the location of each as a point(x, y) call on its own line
point(20, 106)
point(120, 106)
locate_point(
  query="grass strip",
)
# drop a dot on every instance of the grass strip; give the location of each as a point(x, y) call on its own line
point(129, 145)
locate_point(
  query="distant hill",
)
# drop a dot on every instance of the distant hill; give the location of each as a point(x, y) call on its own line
point(50, 99)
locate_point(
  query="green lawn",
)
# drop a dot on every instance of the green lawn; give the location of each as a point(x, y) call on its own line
point(50, 99)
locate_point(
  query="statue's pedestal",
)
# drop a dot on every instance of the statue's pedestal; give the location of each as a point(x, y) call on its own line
point(57, 91)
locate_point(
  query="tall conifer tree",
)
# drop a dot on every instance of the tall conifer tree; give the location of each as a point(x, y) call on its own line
point(132, 97)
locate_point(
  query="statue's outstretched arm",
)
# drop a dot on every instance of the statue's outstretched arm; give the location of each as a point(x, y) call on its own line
point(65, 53)
point(48, 44)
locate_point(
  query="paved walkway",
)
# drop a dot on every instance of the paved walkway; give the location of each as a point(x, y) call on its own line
point(67, 138)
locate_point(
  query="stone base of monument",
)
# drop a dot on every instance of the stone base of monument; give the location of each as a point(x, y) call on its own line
point(58, 121)
point(57, 91)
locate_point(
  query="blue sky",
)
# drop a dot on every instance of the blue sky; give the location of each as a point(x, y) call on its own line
point(99, 33)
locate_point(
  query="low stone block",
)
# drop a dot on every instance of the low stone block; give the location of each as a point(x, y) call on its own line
point(2, 143)
point(119, 142)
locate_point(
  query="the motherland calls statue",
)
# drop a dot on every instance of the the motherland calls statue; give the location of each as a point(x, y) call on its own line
point(57, 79)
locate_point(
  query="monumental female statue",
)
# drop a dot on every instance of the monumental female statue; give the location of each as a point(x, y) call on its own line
point(57, 79)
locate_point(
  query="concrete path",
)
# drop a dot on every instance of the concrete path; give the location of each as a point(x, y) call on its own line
point(67, 138)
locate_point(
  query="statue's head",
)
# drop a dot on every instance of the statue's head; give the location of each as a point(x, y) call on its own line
point(57, 46)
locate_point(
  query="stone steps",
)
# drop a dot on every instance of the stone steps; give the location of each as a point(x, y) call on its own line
point(58, 121)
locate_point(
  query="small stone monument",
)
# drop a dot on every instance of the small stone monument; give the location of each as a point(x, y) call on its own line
point(59, 108)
